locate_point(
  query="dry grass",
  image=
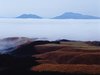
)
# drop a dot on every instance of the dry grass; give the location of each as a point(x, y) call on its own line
point(87, 58)
point(69, 52)
point(57, 56)
point(80, 45)
point(69, 57)
point(66, 68)
point(67, 46)
point(63, 57)
point(47, 48)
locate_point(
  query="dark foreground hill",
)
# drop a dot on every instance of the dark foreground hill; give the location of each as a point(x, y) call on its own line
point(52, 57)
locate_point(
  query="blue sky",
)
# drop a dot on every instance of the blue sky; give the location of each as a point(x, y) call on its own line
point(48, 8)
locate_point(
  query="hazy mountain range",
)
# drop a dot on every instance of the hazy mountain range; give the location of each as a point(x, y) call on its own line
point(68, 15)
point(71, 15)
point(29, 16)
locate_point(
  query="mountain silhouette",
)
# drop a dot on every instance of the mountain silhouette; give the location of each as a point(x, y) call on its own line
point(29, 16)
point(71, 15)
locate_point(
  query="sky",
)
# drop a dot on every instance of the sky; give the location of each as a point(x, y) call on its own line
point(48, 8)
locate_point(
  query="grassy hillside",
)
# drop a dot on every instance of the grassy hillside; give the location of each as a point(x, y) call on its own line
point(47, 58)
point(68, 57)
point(66, 68)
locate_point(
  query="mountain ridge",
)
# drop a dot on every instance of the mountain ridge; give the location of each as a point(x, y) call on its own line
point(29, 16)
point(71, 15)
point(66, 15)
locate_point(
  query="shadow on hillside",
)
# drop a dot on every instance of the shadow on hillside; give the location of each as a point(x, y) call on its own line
point(20, 60)
point(58, 73)
point(12, 65)
point(23, 72)
point(95, 43)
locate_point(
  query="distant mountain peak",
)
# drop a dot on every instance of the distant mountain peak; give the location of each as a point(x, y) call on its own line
point(29, 16)
point(71, 15)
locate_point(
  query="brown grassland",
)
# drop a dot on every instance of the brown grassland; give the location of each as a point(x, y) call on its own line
point(52, 57)
point(69, 68)
point(68, 57)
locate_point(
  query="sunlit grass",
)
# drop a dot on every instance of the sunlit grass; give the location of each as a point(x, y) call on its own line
point(75, 45)
point(68, 68)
